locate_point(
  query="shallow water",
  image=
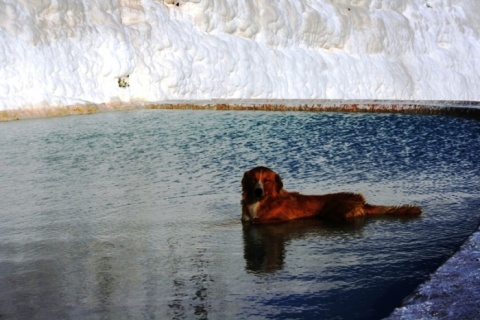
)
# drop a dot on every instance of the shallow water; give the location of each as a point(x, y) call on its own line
point(137, 214)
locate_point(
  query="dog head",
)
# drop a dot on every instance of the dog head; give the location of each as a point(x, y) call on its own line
point(261, 182)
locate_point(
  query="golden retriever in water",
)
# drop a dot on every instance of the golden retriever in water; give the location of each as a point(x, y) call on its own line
point(265, 201)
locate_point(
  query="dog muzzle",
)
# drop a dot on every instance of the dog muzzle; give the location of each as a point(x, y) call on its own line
point(258, 190)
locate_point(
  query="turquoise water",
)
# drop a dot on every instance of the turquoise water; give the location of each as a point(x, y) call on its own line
point(137, 214)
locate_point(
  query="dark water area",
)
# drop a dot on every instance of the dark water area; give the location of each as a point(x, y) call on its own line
point(136, 215)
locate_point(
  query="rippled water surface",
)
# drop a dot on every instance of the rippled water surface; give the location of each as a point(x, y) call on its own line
point(137, 214)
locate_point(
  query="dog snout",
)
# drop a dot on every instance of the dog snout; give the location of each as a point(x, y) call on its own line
point(258, 190)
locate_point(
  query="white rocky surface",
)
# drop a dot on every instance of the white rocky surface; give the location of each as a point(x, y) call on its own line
point(76, 52)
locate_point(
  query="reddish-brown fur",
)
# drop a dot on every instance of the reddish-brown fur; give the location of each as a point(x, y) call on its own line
point(265, 201)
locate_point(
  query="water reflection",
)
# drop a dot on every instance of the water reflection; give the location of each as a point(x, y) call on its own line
point(105, 275)
point(265, 245)
point(198, 283)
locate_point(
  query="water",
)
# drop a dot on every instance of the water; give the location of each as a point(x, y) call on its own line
point(136, 215)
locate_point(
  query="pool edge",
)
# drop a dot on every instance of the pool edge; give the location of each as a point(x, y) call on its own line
point(457, 108)
point(451, 292)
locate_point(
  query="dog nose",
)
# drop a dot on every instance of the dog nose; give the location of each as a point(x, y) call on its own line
point(258, 191)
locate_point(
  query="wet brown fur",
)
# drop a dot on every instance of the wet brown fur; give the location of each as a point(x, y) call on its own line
point(275, 204)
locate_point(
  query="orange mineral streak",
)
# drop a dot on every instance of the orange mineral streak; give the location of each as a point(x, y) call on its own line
point(469, 109)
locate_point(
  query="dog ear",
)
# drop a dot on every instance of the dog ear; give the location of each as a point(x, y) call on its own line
point(245, 179)
point(278, 182)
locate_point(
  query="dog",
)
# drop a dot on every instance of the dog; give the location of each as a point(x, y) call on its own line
point(265, 201)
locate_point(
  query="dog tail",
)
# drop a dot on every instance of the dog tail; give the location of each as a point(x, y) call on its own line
point(405, 210)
